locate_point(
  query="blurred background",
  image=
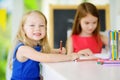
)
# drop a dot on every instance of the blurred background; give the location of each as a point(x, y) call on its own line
point(11, 12)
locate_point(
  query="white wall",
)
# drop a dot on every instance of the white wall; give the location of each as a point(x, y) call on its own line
point(17, 12)
point(115, 14)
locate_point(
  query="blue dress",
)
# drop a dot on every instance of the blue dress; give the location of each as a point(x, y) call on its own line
point(28, 70)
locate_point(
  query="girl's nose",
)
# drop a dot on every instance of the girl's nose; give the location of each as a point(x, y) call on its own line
point(90, 26)
point(37, 28)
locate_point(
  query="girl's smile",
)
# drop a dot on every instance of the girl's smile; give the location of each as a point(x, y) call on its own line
point(37, 34)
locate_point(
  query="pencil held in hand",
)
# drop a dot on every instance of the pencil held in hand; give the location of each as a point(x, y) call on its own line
point(61, 45)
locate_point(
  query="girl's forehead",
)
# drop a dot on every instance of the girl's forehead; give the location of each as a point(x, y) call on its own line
point(35, 17)
point(90, 17)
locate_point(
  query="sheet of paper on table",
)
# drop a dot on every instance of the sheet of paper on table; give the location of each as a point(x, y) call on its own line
point(94, 57)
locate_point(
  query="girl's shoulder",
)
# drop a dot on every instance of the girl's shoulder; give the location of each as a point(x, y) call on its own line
point(82, 37)
point(18, 44)
point(75, 36)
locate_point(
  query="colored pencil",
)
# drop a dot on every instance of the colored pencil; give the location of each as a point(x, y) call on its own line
point(60, 46)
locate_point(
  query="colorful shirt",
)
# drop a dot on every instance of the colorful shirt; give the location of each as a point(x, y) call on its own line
point(28, 70)
point(80, 43)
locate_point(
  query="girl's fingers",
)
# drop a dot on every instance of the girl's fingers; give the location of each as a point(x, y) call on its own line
point(63, 50)
point(86, 52)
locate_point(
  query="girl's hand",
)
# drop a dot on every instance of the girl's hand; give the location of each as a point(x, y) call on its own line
point(62, 51)
point(75, 56)
point(85, 52)
point(59, 50)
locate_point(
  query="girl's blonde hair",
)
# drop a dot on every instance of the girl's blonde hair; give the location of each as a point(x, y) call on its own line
point(82, 11)
point(21, 36)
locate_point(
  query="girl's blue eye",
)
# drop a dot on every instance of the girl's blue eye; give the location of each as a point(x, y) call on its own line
point(32, 25)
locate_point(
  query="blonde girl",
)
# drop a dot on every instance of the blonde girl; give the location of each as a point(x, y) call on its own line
point(32, 47)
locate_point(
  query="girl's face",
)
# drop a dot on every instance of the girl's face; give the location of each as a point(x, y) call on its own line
point(34, 27)
point(88, 24)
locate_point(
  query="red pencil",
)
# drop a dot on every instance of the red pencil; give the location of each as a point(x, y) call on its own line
point(61, 45)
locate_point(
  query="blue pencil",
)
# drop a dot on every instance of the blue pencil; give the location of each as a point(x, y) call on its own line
point(109, 43)
point(119, 44)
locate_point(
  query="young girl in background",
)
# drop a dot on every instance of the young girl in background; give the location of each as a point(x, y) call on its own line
point(31, 47)
point(86, 38)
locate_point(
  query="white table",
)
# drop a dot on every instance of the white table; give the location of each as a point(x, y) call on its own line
point(88, 70)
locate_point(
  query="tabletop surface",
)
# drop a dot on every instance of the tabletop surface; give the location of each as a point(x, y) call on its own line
point(84, 70)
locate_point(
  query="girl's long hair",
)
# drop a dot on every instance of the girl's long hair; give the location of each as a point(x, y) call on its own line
point(82, 11)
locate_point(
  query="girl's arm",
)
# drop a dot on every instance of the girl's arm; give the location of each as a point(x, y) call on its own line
point(69, 45)
point(105, 41)
point(26, 52)
point(63, 51)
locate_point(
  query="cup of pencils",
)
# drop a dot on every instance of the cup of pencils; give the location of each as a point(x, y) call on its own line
point(114, 44)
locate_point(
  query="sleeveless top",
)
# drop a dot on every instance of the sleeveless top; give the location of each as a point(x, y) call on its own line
point(28, 70)
point(80, 43)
